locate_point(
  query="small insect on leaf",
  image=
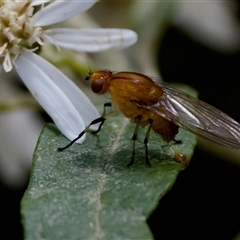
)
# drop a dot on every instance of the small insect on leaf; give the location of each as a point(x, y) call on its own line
point(180, 158)
point(162, 108)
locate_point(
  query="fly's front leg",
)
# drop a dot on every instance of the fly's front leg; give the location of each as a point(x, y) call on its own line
point(104, 116)
point(100, 120)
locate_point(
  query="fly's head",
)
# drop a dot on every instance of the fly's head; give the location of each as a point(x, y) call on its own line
point(100, 80)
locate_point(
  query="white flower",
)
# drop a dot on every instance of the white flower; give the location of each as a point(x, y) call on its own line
point(68, 106)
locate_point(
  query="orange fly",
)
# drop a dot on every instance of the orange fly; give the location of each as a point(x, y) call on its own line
point(163, 108)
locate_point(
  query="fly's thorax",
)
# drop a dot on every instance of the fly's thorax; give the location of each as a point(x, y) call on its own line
point(135, 87)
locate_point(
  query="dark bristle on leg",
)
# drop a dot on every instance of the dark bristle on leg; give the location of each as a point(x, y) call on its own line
point(134, 138)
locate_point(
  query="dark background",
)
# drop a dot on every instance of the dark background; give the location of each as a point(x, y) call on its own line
point(204, 202)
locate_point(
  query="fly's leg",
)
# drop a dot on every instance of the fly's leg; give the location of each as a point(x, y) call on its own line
point(146, 142)
point(177, 141)
point(100, 120)
point(109, 104)
point(134, 138)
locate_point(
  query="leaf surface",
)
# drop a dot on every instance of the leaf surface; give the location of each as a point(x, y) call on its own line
point(87, 192)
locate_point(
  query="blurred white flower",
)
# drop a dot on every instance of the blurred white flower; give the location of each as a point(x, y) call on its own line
point(20, 27)
point(211, 22)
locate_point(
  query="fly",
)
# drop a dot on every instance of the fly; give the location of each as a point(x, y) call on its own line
point(162, 108)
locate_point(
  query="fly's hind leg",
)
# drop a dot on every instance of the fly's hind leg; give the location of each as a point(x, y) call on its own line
point(100, 120)
point(134, 138)
point(177, 141)
point(146, 142)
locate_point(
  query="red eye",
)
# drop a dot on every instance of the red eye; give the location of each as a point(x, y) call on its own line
point(97, 85)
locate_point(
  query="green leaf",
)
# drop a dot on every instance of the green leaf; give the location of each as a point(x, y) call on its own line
point(87, 192)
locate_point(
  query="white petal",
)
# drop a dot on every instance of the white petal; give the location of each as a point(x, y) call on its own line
point(59, 11)
point(42, 84)
point(80, 101)
point(38, 2)
point(90, 40)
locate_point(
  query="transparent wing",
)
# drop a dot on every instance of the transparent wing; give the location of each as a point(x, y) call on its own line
point(197, 117)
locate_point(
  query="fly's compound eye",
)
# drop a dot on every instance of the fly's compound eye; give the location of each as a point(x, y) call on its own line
point(97, 85)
